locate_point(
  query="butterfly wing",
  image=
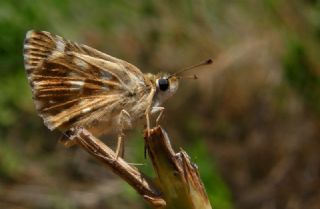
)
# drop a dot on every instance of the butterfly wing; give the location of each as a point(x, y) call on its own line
point(74, 83)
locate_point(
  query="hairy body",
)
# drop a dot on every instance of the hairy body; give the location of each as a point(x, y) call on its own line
point(74, 85)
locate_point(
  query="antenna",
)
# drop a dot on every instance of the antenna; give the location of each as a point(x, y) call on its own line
point(193, 77)
point(207, 62)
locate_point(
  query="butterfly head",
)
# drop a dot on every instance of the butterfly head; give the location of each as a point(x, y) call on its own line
point(167, 84)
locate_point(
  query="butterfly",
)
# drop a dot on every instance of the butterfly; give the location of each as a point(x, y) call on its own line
point(74, 85)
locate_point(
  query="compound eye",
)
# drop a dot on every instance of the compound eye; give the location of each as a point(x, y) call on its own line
point(163, 84)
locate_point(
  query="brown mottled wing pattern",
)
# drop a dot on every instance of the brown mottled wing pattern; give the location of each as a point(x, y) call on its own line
point(73, 84)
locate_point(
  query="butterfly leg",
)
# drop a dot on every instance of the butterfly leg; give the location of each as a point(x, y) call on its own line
point(148, 124)
point(147, 113)
point(160, 110)
point(153, 110)
point(123, 123)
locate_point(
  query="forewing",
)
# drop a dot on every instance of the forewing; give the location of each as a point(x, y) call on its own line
point(71, 81)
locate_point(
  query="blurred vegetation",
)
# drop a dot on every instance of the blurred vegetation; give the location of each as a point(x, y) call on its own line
point(251, 121)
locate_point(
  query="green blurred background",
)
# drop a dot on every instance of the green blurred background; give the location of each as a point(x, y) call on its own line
point(251, 121)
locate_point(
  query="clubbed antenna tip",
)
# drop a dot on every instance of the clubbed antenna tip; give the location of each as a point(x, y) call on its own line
point(209, 61)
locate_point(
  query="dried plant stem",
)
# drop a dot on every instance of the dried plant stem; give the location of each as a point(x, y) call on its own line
point(142, 184)
point(178, 185)
point(178, 177)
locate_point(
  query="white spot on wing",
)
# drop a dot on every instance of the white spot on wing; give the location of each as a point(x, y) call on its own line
point(106, 88)
point(82, 64)
point(72, 74)
point(25, 58)
point(56, 54)
point(60, 45)
point(82, 102)
point(85, 110)
point(27, 66)
point(29, 34)
point(39, 105)
point(106, 75)
point(49, 124)
point(135, 78)
point(77, 83)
